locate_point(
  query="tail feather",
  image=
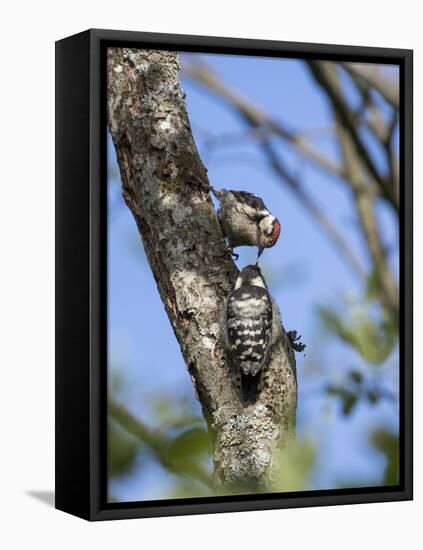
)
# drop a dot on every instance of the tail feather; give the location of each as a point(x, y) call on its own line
point(249, 387)
point(207, 187)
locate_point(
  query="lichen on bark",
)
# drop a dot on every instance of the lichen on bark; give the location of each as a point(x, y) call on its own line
point(159, 166)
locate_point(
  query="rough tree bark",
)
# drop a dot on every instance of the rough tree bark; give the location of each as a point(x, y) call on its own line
point(193, 269)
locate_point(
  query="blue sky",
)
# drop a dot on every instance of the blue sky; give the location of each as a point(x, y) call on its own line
point(303, 269)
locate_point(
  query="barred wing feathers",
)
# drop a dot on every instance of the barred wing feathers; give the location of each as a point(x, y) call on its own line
point(249, 322)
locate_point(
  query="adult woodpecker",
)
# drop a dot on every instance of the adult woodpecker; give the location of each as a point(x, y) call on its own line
point(244, 218)
point(246, 221)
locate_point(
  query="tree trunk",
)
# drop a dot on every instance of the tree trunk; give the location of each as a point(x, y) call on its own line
point(192, 267)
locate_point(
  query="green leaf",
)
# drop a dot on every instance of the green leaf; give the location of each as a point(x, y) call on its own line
point(373, 341)
point(356, 376)
point(122, 449)
point(189, 445)
point(388, 444)
point(187, 488)
point(294, 466)
point(349, 399)
point(373, 285)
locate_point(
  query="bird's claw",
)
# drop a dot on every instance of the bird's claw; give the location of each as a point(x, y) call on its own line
point(294, 340)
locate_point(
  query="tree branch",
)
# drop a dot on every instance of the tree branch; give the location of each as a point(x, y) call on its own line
point(258, 120)
point(368, 74)
point(325, 74)
point(308, 203)
point(384, 131)
point(191, 264)
point(365, 205)
point(158, 444)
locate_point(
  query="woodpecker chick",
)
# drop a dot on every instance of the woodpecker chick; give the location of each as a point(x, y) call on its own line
point(251, 326)
point(245, 220)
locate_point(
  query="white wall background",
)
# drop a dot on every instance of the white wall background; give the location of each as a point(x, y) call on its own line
point(27, 37)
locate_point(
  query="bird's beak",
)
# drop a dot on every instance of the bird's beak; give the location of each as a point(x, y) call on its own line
point(260, 252)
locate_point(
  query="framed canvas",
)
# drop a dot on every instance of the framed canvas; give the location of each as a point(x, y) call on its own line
point(233, 274)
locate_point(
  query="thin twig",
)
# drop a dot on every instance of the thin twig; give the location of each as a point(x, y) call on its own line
point(307, 202)
point(325, 74)
point(259, 121)
point(356, 166)
point(368, 74)
point(364, 201)
point(383, 131)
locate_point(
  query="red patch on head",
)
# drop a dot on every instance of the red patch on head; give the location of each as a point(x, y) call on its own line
point(276, 232)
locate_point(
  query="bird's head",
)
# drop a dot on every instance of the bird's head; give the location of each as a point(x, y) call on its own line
point(250, 275)
point(269, 230)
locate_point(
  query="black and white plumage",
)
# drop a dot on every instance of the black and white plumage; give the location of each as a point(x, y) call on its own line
point(245, 220)
point(252, 325)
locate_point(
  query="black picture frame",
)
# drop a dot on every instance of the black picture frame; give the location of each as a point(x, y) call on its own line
point(81, 274)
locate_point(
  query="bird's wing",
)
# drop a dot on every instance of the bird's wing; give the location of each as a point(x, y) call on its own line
point(256, 203)
point(249, 320)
